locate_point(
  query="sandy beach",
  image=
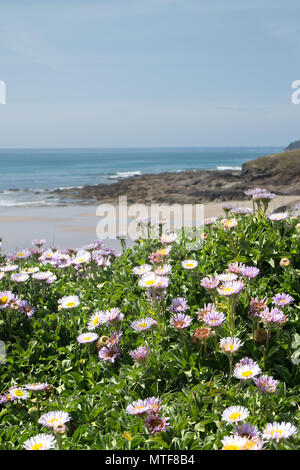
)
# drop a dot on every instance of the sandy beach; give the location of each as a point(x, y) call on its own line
point(75, 225)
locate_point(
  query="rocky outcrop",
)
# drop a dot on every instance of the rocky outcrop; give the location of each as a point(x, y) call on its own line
point(279, 173)
point(294, 145)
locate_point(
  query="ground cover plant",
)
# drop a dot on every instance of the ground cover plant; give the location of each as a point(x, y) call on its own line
point(162, 346)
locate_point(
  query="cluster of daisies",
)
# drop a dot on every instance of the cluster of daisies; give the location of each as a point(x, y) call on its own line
point(104, 327)
point(108, 344)
point(151, 410)
point(17, 394)
point(11, 302)
point(93, 255)
point(14, 271)
point(246, 436)
point(55, 421)
point(59, 259)
point(270, 317)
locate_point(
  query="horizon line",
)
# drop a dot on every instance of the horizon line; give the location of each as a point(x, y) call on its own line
point(143, 147)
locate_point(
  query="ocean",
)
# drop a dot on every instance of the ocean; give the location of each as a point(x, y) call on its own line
point(28, 175)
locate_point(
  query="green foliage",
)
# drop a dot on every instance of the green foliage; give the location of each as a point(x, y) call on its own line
point(189, 378)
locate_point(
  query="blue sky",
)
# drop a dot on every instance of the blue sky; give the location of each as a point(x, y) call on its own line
point(114, 73)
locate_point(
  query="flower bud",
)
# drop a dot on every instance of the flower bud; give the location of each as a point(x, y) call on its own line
point(201, 334)
point(33, 413)
point(284, 262)
point(60, 428)
point(260, 335)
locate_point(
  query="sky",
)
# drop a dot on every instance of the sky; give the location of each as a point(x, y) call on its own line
point(149, 73)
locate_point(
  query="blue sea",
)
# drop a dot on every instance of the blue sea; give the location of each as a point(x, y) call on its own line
point(28, 175)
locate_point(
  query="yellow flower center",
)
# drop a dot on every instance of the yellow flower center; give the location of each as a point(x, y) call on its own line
point(231, 447)
point(227, 290)
point(38, 446)
point(70, 304)
point(249, 444)
point(19, 393)
point(276, 431)
point(139, 408)
point(150, 282)
point(247, 373)
point(96, 320)
point(3, 300)
point(235, 416)
point(53, 421)
point(229, 347)
point(87, 338)
point(142, 325)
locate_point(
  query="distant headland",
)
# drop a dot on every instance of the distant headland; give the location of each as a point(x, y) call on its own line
point(279, 173)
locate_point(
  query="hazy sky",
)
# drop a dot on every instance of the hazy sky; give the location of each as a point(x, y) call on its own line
point(113, 73)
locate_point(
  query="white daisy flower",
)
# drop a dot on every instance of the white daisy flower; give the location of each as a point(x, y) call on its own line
point(98, 318)
point(42, 275)
point(234, 414)
point(210, 220)
point(277, 431)
point(143, 324)
point(70, 301)
point(9, 267)
point(143, 269)
point(40, 442)
point(227, 277)
point(168, 238)
point(246, 372)
point(163, 270)
point(230, 344)
point(19, 277)
point(18, 393)
point(148, 280)
point(53, 418)
point(278, 216)
point(37, 387)
point(229, 223)
point(234, 443)
point(87, 338)
point(189, 264)
point(22, 254)
point(32, 270)
point(82, 256)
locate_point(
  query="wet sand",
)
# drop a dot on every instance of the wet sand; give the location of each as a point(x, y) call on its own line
point(74, 226)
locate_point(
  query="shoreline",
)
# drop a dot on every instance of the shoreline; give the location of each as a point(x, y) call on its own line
point(278, 173)
point(75, 225)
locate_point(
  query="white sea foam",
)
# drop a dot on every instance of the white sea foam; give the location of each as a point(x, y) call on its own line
point(62, 188)
point(124, 174)
point(224, 168)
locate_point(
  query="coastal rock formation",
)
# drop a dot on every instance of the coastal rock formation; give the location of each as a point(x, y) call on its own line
point(279, 173)
point(294, 145)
